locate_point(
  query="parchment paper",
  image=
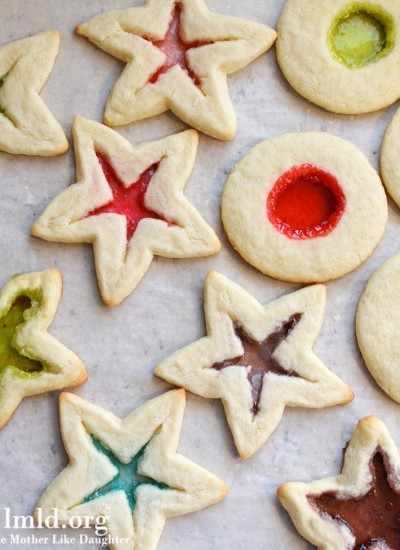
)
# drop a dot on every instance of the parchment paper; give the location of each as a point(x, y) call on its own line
point(120, 347)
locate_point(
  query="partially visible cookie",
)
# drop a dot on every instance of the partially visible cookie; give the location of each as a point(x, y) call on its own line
point(341, 55)
point(359, 508)
point(126, 474)
point(257, 359)
point(378, 326)
point(178, 56)
point(128, 201)
point(304, 207)
point(31, 360)
point(390, 158)
point(26, 125)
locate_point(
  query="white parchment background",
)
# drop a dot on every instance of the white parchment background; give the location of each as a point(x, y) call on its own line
point(120, 347)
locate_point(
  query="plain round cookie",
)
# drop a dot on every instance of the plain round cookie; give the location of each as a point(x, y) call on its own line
point(310, 67)
point(249, 229)
point(390, 159)
point(378, 326)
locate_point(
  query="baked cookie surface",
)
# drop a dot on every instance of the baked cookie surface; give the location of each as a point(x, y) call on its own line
point(343, 55)
point(298, 207)
point(378, 325)
point(390, 159)
point(257, 359)
point(127, 471)
point(31, 360)
point(26, 125)
point(178, 55)
point(359, 508)
point(129, 203)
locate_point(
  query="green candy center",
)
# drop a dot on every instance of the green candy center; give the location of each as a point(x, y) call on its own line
point(10, 356)
point(361, 34)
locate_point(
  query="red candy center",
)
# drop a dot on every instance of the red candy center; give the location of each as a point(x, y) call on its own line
point(127, 201)
point(305, 202)
point(175, 49)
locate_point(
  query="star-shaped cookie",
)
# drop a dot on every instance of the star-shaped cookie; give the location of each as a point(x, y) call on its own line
point(257, 359)
point(31, 360)
point(26, 125)
point(129, 203)
point(178, 55)
point(359, 508)
point(127, 470)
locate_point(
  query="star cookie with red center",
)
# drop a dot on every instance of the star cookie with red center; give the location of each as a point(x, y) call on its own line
point(257, 359)
point(125, 475)
point(31, 360)
point(129, 203)
point(298, 207)
point(359, 508)
point(178, 55)
point(26, 125)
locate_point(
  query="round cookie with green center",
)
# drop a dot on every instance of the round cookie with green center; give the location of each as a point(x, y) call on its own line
point(299, 207)
point(341, 55)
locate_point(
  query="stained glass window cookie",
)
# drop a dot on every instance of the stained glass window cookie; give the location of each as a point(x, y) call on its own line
point(178, 56)
point(257, 359)
point(26, 125)
point(378, 326)
point(298, 207)
point(341, 55)
point(129, 203)
point(359, 508)
point(127, 471)
point(31, 360)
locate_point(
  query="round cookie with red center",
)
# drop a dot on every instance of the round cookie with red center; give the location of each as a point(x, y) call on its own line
point(305, 207)
point(341, 55)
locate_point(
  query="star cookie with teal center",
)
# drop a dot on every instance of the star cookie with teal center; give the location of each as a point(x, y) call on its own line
point(257, 359)
point(127, 471)
point(178, 56)
point(31, 360)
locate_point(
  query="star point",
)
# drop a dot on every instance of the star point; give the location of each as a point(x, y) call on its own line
point(261, 367)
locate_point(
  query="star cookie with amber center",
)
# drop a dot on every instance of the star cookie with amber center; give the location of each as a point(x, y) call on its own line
point(358, 509)
point(257, 359)
point(127, 471)
point(178, 56)
point(129, 203)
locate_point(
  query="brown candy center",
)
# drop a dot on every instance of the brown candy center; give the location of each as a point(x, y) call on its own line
point(258, 357)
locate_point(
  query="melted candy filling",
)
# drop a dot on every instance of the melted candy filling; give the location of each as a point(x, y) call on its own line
point(10, 357)
point(305, 202)
point(361, 34)
point(373, 517)
point(258, 357)
point(127, 201)
point(175, 48)
point(127, 479)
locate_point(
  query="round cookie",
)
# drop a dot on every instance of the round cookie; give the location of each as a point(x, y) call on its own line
point(390, 159)
point(341, 55)
point(299, 207)
point(378, 325)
